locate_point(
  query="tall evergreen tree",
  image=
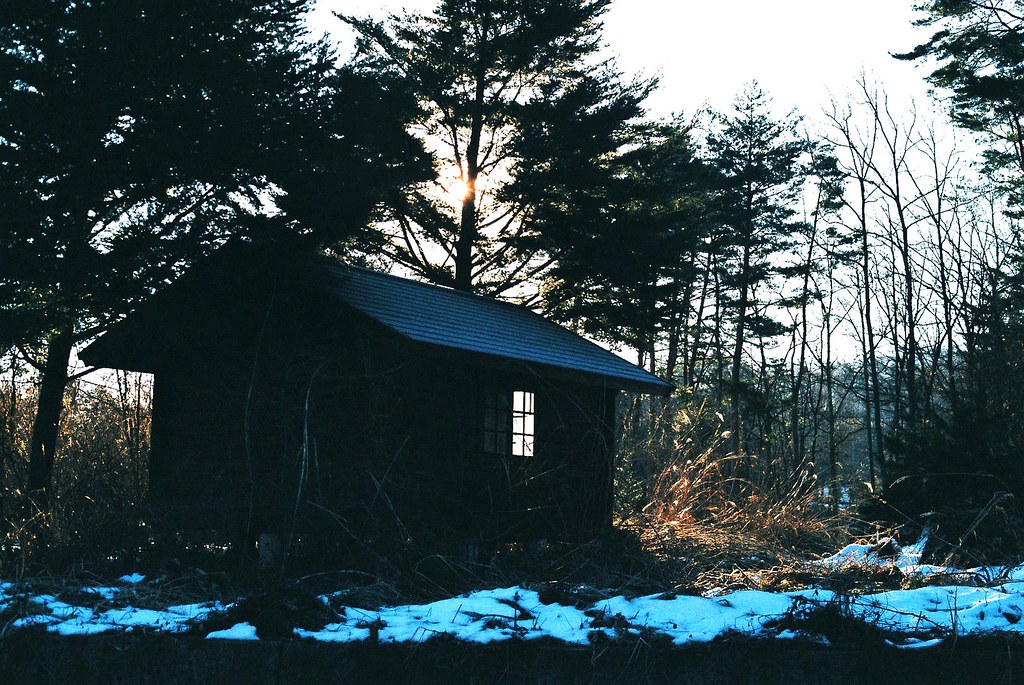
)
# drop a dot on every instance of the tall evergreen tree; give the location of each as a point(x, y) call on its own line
point(762, 162)
point(506, 88)
point(966, 452)
point(979, 47)
point(135, 136)
point(627, 273)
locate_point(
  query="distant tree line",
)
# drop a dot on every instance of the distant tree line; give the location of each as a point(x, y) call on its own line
point(847, 297)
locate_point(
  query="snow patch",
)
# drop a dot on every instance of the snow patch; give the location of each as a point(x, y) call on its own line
point(885, 552)
point(242, 631)
point(912, 619)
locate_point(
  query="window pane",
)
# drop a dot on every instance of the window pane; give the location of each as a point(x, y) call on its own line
point(522, 401)
point(522, 423)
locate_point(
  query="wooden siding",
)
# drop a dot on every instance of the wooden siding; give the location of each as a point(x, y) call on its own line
point(380, 436)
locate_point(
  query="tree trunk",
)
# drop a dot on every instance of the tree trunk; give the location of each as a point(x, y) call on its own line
point(868, 403)
point(737, 353)
point(48, 414)
point(801, 367)
point(467, 239)
point(690, 373)
point(468, 230)
point(833, 458)
point(911, 355)
point(869, 333)
point(719, 350)
point(9, 426)
point(676, 327)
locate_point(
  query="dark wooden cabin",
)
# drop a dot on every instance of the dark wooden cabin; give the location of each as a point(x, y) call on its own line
point(303, 393)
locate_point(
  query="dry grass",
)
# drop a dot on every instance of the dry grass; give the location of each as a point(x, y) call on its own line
point(691, 518)
point(99, 478)
point(698, 499)
point(709, 521)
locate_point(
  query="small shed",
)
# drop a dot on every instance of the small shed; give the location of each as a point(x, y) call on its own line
point(303, 394)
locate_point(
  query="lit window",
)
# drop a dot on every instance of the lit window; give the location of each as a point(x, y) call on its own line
point(509, 420)
point(522, 424)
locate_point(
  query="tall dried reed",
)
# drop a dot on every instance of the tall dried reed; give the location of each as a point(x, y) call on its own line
point(693, 485)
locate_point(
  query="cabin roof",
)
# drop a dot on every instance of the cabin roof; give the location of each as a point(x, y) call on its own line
point(443, 319)
point(449, 318)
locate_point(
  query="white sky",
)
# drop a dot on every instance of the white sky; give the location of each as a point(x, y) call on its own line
point(705, 51)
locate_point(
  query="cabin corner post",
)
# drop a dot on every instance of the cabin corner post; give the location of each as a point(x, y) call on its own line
point(609, 426)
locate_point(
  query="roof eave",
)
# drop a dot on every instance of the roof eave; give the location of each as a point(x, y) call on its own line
point(653, 387)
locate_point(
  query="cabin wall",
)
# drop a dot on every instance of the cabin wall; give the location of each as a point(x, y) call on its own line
point(374, 437)
point(400, 452)
point(563, 491)
point(230, 410)
point(575, 439)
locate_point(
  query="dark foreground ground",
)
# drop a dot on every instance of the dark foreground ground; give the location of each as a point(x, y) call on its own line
point(27, 657)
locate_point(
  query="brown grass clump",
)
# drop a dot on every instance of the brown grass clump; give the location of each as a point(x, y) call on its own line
point(717, 520)
point(693, 482)
point(720, 559)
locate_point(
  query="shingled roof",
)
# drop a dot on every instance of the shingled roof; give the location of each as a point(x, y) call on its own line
point(447, 318)
point(439, 318)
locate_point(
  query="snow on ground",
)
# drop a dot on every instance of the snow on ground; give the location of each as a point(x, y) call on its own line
point(884, 551)
point(242, 631)
point(912, 619)
point(887, 552)
point(67, 619)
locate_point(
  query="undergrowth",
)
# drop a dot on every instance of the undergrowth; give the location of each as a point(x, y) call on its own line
point(691, 518)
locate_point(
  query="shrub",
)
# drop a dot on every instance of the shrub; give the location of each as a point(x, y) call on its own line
point(100, 474)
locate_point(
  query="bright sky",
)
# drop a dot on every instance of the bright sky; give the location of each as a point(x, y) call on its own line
point(800, 51)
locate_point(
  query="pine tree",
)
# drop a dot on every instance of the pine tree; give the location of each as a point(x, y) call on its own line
point(136, 136)
point(507, 89)
point(762, 162)
point(962, 455)
point(627, 273)
point(979, 47)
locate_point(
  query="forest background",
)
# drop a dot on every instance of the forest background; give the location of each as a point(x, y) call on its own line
point(838, 300)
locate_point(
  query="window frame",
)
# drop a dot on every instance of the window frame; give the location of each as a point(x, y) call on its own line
point(524, 424)
point(497, 423)
point(509, 423)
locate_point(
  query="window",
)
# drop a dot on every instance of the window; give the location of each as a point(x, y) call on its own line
point(509, 423)
point(522, 423)
point(497, 438)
